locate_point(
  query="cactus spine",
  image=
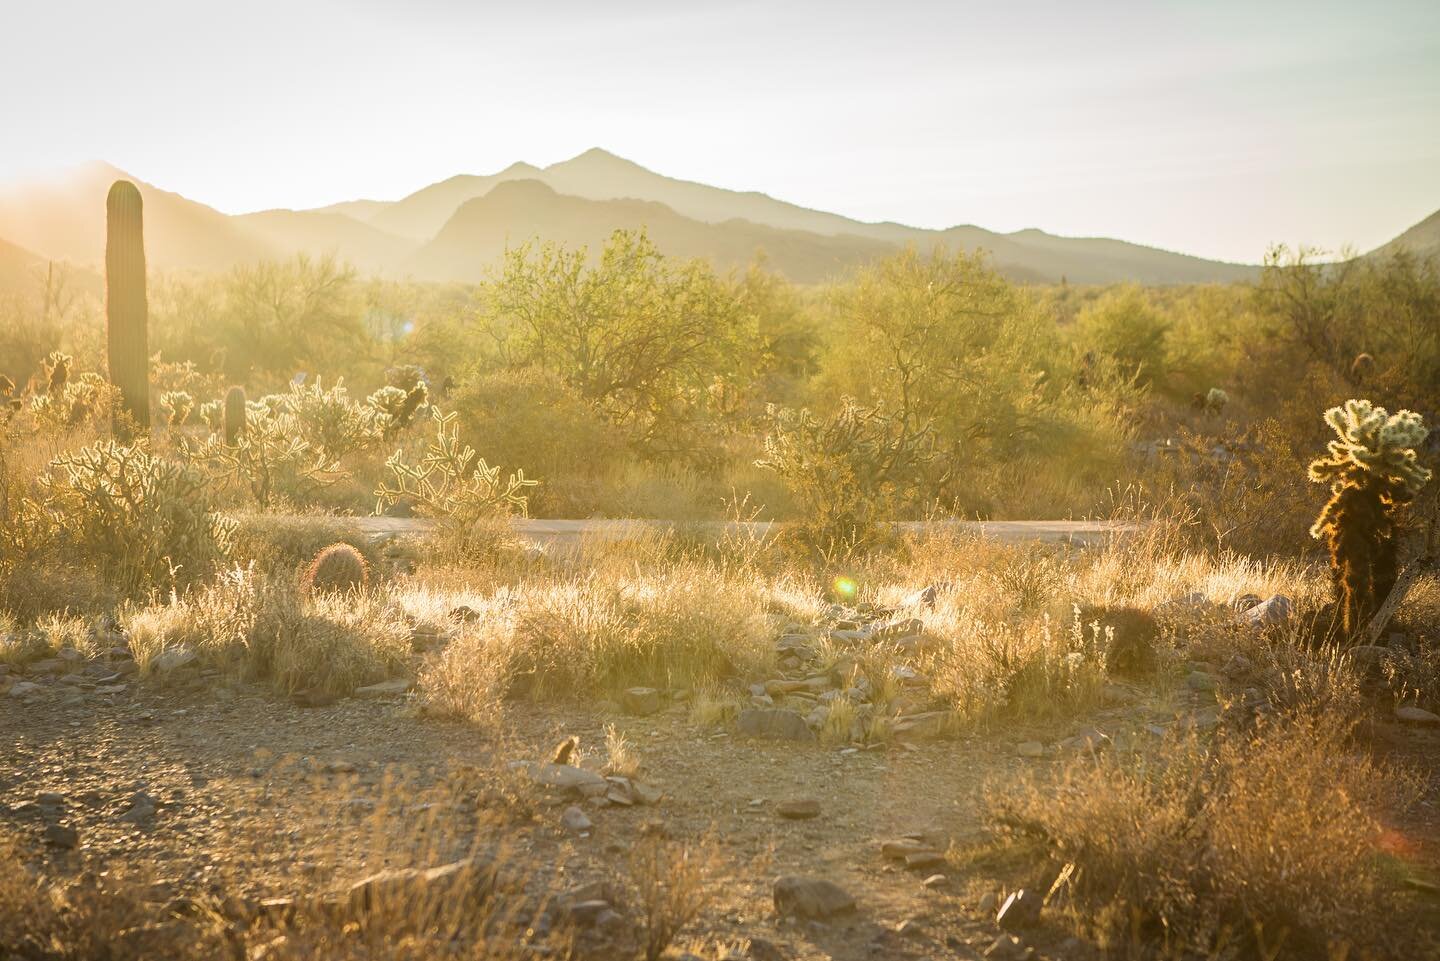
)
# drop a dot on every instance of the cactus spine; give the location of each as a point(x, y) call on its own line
point(126, 311)
point(234, 419)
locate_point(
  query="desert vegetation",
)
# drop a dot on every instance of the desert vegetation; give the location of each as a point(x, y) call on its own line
point(1207, 729)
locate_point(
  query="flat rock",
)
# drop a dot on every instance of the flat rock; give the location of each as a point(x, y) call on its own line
point(798, 810)
point(24, 689)
point(1269, 612)
point(567, 777)
point(61, 836)
point(172, 659)
point(392, 688)
point(814, 898)
point(777, 723)
point(1416, 715)
point(1030, 749)
point(935, 881)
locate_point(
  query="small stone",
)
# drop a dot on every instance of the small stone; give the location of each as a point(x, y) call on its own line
point(814, 898)
point(910, 928)
point(566, 777)
point(935, 881)
point(1416, 715)
point(1020, 910)
point(798, 810)
point(923, 859)
point(575, 821)
point(394, 688)
point(1030, 749)
point(641, 701)
point(61, 836)
point(141, 810)
point(339, 767)
point(1007, 947)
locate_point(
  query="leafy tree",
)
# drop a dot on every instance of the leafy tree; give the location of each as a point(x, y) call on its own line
point(1123, 324)
point(643, 337)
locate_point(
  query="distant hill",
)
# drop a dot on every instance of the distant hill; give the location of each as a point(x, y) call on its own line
point(518, 211)
point(319, 232)
point(448, 230)
point(1422, 239)
point(19, 268)
point(64, 219)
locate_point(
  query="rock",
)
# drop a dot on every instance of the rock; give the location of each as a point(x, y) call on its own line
point(646, 794)
point(923, 859)
point(1416, 715)
point(901, 849)
point(917, 645)
point(924, 598)
point(1268, 613)
point(1244, 603)
point(1030, 749)
point(1021, 910)
point(777, 723)
point(813, 898)
point(172, 659)
point(339, 767)
point(798, 810)
point(1239, 666)
point(567, 777)
point(418, 894)
point(50, 665)
point(1007, 947)
point(758, 949)
point(586, 913)
point(910, 928)
point(935, 881)
point(575, 821)
point(988, 901)
point(1201, 681)
point(641, 701)
point(141, 811)
point(61, 836)
point(464, 613)
point(393, 688)
point(922, 727)
point(24, 689)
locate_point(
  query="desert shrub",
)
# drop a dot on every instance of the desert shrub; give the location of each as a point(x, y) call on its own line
point(329, 422)
point(337, 568)
point(270, 458)
point(142, 521)
point(672, 885)
point(451, 481)
point(686, 625)
point(395, 407)
point(273, 541)
point(264, 627)
point(532, 416)
point(849, 473)
point(1266, 841)
point(1125, 326)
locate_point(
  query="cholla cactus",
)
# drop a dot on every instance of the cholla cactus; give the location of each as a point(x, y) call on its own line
point(57, 372)
point(178, 405)
point(1371, 468)
point(395, 407)
point(1216, 399)
point(451, 482)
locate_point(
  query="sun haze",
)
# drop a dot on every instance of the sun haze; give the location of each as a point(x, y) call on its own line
point(1213, 129)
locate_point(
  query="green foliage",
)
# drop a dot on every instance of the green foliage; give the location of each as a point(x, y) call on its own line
point(337, 568)
point(641, 337)
point(135, 517)
point(127, 311)
point(395, 407)
point(848, 472)
point(1372, 468)
point(1124, 325)
point(451, 482)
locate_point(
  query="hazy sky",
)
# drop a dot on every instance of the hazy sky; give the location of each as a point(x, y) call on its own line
point(1209, 127)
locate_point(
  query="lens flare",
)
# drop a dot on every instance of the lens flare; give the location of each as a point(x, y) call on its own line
point(846, 587)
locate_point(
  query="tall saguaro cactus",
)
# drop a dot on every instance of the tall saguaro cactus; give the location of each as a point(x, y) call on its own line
point(126, 309)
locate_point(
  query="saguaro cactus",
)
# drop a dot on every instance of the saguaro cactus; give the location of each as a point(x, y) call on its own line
point(126, 310)
point(233, 420)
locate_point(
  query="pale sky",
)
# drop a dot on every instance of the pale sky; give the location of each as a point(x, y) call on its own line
point(1213, 127)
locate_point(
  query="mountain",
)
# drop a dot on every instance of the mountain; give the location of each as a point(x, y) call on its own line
point(1422, 239)
point(1029, 255)
point(291, 232)
point(517, 211)
point(18, 267)
point(64, 219)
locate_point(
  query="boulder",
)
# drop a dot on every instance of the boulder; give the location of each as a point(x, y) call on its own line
point(1268, 613)
point(1416, 715)
point(641, 701)
point(776, 723)
point(813, 898)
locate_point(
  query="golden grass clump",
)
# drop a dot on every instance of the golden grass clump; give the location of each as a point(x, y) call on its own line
point(1269, 835)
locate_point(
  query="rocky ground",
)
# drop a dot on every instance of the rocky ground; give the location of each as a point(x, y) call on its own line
point(822, 850)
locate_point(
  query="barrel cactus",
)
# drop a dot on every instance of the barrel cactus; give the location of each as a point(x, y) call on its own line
point(126, 310)
point(1372, 469)
point(339, 567)
point(233, 420)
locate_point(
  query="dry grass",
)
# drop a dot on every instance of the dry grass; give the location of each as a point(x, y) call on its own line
point(1270, 837)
